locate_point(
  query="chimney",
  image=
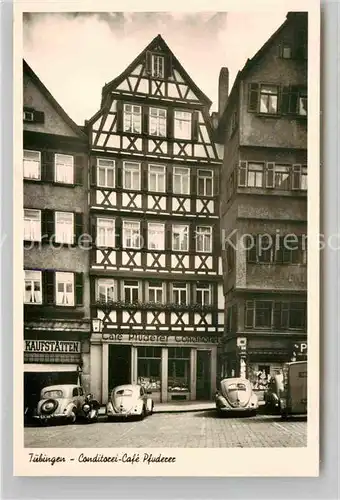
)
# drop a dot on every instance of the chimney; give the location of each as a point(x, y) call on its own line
point(223, 90)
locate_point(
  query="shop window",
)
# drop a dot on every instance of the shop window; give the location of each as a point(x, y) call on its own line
point(179, 369)
point(149, 368)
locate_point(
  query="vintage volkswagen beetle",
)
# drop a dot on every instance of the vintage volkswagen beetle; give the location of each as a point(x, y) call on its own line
point(62, 402)
point(130, 400)
point(235, 395)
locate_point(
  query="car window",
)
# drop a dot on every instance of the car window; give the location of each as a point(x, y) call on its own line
point(75, 392)
point(124, 392)
point(52, 394)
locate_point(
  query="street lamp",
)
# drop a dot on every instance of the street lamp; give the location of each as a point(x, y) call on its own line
point(97, 325)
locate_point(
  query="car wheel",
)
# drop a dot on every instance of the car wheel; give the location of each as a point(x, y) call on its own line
point(143, 414)
point(73, 417)
point(151, 411)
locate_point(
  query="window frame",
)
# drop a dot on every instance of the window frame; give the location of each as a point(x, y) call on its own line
point(176, 120)
point(157, 287)
point(59, 212)
point(204, 178)
point(132, 114)
point(32, 281)
point(106, 283)
point(156, 57)
point(204, 288)
point(157, 174)
point(174, 174)
point(203, 235)
point(106, 168)
point(131, 287)
point(268, 95)
point(132, 237)
point(186, 231)
point(150, 116)
point(259, 168)
point(162, 224)
point(99, 243)
point(39, 221)
point(37, 161)
point(135, 163)
point(58, 274)
point(56, 155)
point(180, 287)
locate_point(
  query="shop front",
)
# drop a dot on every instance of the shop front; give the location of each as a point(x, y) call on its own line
point(172, 368)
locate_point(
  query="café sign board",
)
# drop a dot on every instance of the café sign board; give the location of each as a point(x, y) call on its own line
point(141, 338)
point(52, 346)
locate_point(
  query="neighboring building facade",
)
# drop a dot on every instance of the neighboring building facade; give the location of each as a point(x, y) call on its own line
point(56, 292)
point(263, 126)
point(156, 278)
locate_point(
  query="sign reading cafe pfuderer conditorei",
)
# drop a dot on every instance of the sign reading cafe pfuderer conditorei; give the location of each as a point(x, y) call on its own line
point(59, 346)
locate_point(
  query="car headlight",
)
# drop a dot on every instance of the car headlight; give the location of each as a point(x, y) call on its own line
point(86, 408)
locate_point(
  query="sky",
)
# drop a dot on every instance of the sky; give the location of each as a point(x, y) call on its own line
point(75, 54)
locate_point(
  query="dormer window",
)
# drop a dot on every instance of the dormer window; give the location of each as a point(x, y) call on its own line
point(157, 66)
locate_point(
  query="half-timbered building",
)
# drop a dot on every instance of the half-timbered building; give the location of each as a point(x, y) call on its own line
point(55, 215)
point(155, 269)
point(263, 126)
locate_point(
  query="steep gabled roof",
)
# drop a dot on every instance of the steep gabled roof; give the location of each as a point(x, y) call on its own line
point(250, 63)
point(157, 41)
point(49, 97)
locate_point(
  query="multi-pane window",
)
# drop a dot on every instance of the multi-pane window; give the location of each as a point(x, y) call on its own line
point(299, 177)
point(180, 293)
point(132, 119)
point(64, 289)
point(157, 178)
point(273, 249)
point(181, 180)
point(182, 126)
point(278, 315)
point(64, 232)
point(105, 173)
point(282, 177)
point(203, 294)
point(269, 99)
point(131, 291)
point(32, 293)
point(149, 368)
point(203, 239)
point(156, 292)
point(32, 164)
point(28, 116)
point(32, 225)
point(180, 237)
point(156, 233)
point(64, 169)
point(303, 104)
point(205, 182)
point(157, 69)
point(105, 232)
point(178, 369)
point(131, 175)
point(131, 234)
point(255, 175)
point(105, 290)
point(157, 122)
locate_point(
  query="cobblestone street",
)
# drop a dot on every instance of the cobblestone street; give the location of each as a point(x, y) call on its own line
point(182, 430)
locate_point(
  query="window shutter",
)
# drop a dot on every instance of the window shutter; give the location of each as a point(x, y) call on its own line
point(78, 289)
point(168, 66)
point(249, 314)
point(49, 287)
point(270, 167)
point(253, 97)
point(194, 132)
point(48, 225)
point(277, 320)
point(293, 99)
point(39, 117)
point(119, 175)
point(94, 230)
point(79, 226)
point(296, 177)
point(242, 174)
point(170, 123)
point(93, 171)
point(144, 183)
point(145, 120)
point(79, 165)
point(170, 180)
point(168, 236)
point(120, 117)
point(47, 166)
point(118, 231)
point(148, 62)
point(285, 100)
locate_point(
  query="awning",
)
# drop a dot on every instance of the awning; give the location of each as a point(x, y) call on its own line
point(49, 367)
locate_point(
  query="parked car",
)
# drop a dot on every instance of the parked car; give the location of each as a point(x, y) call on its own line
point(293, 398)
point(60, 402)
point(129, 400)
point(235, 395)
point(273, 393)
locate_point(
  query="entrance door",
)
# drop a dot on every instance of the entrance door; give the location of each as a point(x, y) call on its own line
point(203, 375)
point(119, 365)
